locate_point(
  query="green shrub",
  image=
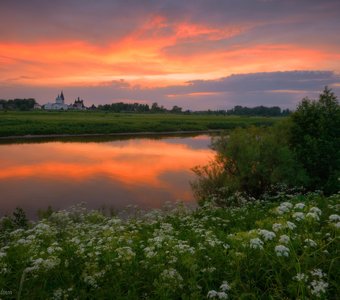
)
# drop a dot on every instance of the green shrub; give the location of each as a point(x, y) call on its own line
point(315, 138)
point(249, 161)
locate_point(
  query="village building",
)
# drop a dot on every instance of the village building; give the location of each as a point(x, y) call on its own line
point(59, 103)
point(78, 105)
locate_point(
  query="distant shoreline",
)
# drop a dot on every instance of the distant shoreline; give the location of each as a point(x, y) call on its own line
point(145, 133)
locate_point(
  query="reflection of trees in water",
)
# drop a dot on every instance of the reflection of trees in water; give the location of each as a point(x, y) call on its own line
point(90, 138)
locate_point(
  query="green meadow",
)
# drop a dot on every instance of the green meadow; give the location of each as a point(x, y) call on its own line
point(48, 123)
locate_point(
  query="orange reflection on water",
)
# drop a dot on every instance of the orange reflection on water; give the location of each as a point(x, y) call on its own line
point(134, 162)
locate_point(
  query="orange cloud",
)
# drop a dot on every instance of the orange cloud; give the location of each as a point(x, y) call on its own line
point(140, 57)
point(195, 94)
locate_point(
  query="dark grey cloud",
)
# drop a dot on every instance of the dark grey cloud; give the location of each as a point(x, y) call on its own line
point(291, 80)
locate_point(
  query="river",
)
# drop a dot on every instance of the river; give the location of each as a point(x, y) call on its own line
point(103, 173)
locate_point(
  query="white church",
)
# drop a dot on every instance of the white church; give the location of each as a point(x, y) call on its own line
point(58, 105)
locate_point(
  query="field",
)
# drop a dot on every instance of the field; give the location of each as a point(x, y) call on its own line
point(287, 249)
point(48, 123)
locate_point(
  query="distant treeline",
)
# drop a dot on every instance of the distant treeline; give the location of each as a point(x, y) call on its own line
point(155, 108)
point(17, 104)
point(137, 107)
point(258, 111)
point(121, 107)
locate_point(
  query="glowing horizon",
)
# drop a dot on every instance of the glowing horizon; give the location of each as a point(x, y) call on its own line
point(111, 51)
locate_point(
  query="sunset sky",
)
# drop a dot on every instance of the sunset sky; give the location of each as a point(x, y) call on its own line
point(195, 54)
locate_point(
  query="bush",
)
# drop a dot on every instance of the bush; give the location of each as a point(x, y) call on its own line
point(315, 138)
point(303, 150)
point(249, 161)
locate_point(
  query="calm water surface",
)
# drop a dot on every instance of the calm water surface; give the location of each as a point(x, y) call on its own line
point(145, 172)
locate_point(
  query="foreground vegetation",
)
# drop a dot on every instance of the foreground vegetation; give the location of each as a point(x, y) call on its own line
point(46, 123)
point(282, 248)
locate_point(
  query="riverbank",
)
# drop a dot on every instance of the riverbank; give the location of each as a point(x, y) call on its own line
point(282, 250)
point(117, 134)
point(58, 124)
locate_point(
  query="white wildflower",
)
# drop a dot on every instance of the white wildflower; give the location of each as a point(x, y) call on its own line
point(312, 215)
point(298, 216)
point(276, 227)
point(149, 252)
point(299, 205)
point(225, 286)
point(267, 235)
point(222, 295)
point(284, 239)
point(301, 277)
point(282, 250)
point(42, 264)
point(256, 243)
point(50, 263)
point(337, 225)
point(171, 277)
point(226, 246)
point(318, 273)
point(291, 225)
point(90, 280)
point(318, 287)
point(125, 253)
point(287, 204)
point(334, 218)
point(4, 268)
point(212, 294)
point(57, 294)
point(284, 208)
point(316, 210)
point(23, 241)
point(310, 243)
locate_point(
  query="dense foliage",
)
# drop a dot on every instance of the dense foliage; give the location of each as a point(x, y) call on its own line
point(303, 150)
point(273, 111)
point(124, 107)
point(121, 107)
point(315, 138)
point(263, 250)
point(250, 161)
point(17, 104)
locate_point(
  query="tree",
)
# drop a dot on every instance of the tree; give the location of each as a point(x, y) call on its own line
point(315, 138)
point(176, 109)
point(19, 218)
point(155, 107)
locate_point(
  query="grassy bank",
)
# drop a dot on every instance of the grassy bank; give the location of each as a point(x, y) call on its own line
point(286, 250)
point(46, 123)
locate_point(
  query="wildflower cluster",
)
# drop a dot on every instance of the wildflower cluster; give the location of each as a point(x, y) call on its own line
point(210, 252)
